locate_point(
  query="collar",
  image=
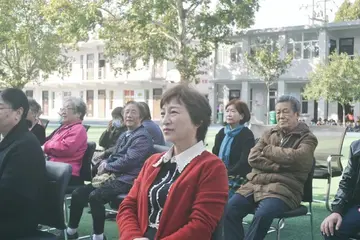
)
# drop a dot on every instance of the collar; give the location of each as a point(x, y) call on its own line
point(184, 158)
point(71, 124)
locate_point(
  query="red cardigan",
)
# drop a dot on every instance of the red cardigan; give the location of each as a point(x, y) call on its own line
point(194, 205)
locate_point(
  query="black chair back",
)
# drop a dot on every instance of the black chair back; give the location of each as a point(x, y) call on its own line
point(85, 171)
point(52, 203)
point(218, 234)
point(160, 148)
point(308, 186)
point(86, 127)
point(44, 122)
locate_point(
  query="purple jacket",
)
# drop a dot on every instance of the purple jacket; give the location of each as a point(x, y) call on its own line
point(131, 151)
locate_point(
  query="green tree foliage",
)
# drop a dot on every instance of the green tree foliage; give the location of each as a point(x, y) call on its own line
point(335, 81)
point(28, 45)
point(184, 32)
point(348, 11)
point(267, 62)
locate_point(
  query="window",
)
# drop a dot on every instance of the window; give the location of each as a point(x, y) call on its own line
point(128, 95)
point(261, 41)
point(235, 54)
point(234, 94)
point(53, 100)
point(304, 103)
point(45, 102)
point(251, 99)
point(346, 45)
point(101, 73)
point(111, 106)
point(303, 45)
point(272, 99)
point(90, 66)
point(90, 103)
point(82, 67)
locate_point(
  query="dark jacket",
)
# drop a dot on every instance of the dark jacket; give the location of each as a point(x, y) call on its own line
point(22, 176)
point(348, 193)
point(39, 131)
point(154, 131)
point(281, 163)
point(129, 155)
point(108, 138)
point(240, 149)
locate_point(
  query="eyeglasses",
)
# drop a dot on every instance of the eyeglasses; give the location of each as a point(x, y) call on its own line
point(65, 109)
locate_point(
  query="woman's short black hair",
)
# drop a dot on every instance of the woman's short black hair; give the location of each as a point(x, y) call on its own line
point(16, 99)
point(146, 110)
point(196, 104)
point(118, 113)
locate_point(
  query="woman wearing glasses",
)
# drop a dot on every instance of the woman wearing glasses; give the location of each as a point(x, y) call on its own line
point(69, 142)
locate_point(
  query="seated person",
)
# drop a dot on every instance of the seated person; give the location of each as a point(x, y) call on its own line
point(180, 194)
point(115, 128)
point(281, 162)
point(344, 221)
point(69, 143)
point(22, 168)
point(35, 124)
point(110, 136)
point(151, 126)
point(125, 163)
point(233, 143)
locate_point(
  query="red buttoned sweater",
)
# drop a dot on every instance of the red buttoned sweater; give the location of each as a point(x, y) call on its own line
point(193, 207)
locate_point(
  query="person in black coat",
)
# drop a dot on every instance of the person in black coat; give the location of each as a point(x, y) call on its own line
point(35, 125)
point(22, 168)
point(233, 143)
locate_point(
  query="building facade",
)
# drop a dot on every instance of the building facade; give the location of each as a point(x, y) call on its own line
point(310, 45)
point(91, 78)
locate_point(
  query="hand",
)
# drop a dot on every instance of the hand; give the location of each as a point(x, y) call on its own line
point(101, 168)
point(327, 226)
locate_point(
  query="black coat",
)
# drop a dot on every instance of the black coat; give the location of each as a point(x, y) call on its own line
point(348, 194)
point(239, 152)
point(22, 177)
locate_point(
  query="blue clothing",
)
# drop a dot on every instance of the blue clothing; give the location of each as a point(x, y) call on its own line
point(155, 132)
point(224, 153)
point(264, 213)
point(131, 151)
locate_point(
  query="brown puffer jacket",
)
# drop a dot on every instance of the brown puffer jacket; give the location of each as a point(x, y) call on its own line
point(281, 164)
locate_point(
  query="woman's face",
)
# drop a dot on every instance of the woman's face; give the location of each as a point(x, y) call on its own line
point(67, 113)
point(176, 123)
point(31, 116)
point(132, 116)
point(8, 117)
point(232, 115)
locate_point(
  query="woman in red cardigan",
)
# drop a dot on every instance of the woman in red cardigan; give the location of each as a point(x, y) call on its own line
point(180, 194)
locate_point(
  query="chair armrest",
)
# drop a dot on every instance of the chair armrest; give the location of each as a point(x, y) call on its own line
point(329, 160)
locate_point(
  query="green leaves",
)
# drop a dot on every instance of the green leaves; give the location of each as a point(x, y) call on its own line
point(338, 80)
point(348, 11)
point(139, 32)
point(267, 63)
point(28, 44)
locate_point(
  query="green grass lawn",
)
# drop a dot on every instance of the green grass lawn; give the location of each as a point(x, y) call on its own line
point(296, 229)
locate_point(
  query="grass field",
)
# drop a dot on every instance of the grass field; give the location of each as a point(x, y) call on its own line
point(295, 229)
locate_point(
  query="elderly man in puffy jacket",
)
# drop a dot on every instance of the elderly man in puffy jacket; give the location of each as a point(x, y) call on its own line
point(344, 221)
point(281, 162)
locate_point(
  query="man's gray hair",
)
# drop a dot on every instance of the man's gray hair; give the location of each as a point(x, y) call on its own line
point(295, 103)
point(78, 105)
